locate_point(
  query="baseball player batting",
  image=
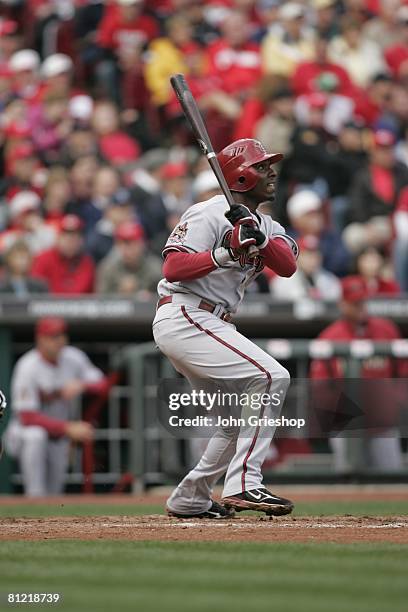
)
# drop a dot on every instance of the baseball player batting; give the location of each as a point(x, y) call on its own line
point(207, 268)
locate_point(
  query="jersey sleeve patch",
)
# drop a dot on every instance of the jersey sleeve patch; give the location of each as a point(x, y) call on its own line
point(178, 235)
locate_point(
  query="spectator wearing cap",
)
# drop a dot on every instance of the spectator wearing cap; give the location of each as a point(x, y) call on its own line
point(373, 267)
point(56, 70)
point(396, 55)
point(276, 127)
point(310, 280)
point(234, 58)
point(382, 447)
point(123, 34)
point(285, 46)
point(45, 382)
point(374, 195)
point(205, 186)
point(360, 57)
point(24, 66)
point(129, 269)
point(268, 15)
point(17, 265)
point(65, 268)
point(119, 210)
point(27, 223)
point(306, 217)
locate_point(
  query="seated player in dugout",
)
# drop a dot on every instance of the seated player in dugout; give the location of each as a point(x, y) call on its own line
point(207, 268)
point(45, 382)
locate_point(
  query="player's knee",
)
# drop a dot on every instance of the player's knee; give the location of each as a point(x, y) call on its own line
point(277, 374)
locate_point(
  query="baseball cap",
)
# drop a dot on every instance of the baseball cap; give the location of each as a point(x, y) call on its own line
point(81, 107)
point(174, 170)
point(50, 326)
point(8, 27)
point(205, 181)
point(384, 138)
point(308, 243)
point(71, 223)
point(23, 202)
point(291, 10)
point(56, 64)
point(303, 202)
point(23, 60)
point(129, 231)
point(354, 289)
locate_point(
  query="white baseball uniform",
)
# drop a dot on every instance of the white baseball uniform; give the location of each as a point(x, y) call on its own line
point(35, 386)
point(202, 345)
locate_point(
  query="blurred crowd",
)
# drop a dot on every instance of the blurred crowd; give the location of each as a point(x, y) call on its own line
point(98, 163)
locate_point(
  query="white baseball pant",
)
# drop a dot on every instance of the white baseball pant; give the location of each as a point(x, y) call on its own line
point(202, 346)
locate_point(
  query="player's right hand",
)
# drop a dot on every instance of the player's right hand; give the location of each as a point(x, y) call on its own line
point(239, 214)
point(79, 431)
point(241, 239)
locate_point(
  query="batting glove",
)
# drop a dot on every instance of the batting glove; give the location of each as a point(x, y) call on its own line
point(239, 214)
point(254, 232)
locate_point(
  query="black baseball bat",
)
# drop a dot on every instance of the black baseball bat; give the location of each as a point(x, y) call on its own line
point(196, 121)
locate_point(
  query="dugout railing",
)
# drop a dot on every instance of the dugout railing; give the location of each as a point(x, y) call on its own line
point(157, 457)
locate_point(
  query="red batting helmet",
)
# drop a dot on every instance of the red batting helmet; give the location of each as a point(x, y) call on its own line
point(237, 159)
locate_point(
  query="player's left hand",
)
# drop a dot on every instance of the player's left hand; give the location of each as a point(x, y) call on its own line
point(254, 232)
point(239, 215)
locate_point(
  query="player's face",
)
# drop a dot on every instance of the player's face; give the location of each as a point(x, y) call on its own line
point(51, 346)
point(265, 188)
point(354, 311)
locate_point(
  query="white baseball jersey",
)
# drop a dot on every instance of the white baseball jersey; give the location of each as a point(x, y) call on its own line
point(36, 383)
point(204, 227)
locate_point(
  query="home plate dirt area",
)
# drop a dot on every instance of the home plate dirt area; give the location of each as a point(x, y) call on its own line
point(245, 527)
point(340, 529)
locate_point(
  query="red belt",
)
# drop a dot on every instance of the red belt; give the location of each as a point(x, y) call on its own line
point(203, 305)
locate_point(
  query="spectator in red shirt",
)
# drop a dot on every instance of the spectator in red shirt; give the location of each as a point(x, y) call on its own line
point(123, 34)
point(234, 57)
point(396, 55)
point(66, 268)
point(378, 404)
point(307, 73)
point(116, 146)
